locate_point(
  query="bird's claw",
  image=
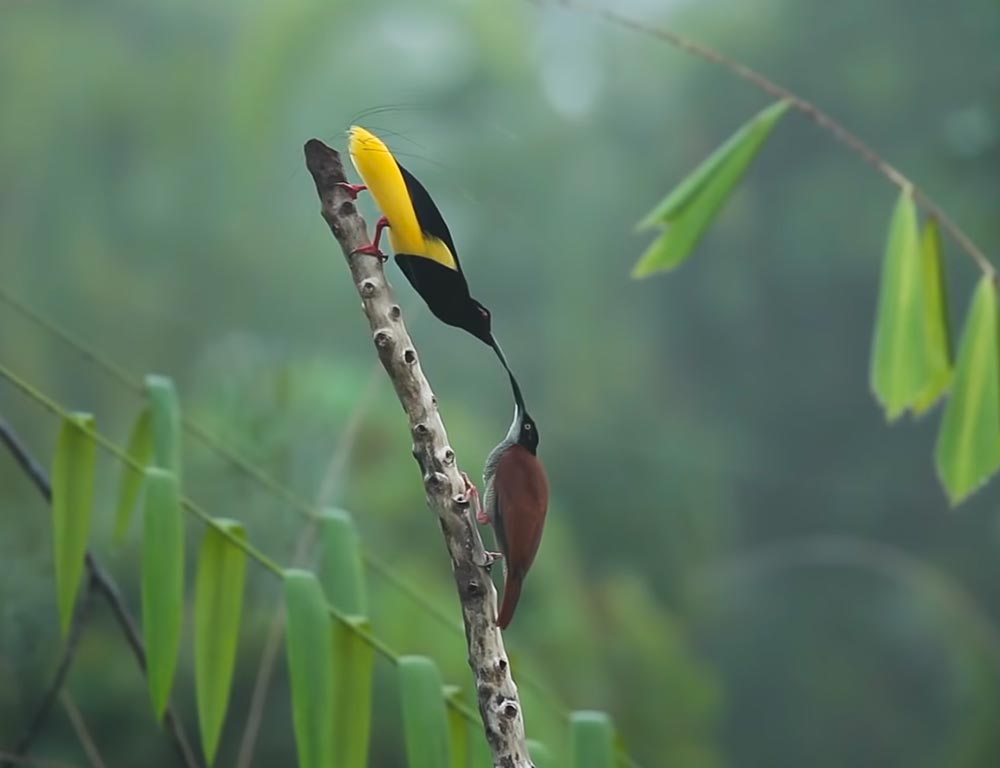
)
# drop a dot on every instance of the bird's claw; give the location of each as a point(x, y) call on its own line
point(371, 250)
point(472, 494)
point(353, 190)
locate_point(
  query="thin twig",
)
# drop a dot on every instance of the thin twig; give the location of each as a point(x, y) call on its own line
point(268, 657)
point(81, 730)
point(332, 482)
point(827, 123)
point(34, 762)
point(499, 705)
point(81, 613)
point(102, 582)
point(328, 487)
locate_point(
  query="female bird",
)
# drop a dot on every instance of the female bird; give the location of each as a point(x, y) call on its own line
point(420, 238)
point(516, 500)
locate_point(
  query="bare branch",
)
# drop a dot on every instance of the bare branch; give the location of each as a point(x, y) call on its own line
point(444, 489)
point(102, 582)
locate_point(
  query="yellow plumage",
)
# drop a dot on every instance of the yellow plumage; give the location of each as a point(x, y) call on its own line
point(380, 173)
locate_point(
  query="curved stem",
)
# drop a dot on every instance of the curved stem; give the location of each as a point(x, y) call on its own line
point(837, 130)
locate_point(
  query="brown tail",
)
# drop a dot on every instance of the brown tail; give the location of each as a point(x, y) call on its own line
point(511, 594)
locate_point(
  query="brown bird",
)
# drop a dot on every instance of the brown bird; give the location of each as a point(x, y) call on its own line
point(516, 500)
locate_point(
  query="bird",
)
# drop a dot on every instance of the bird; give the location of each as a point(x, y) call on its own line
point(423, 245)
point(516, 495)
point(515, 501)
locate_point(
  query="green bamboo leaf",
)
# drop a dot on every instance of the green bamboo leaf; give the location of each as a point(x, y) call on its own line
point(354, 666)
point(166, 423)
point(218, 607)
point(72, 504)
point(310, 668)
point(937, 332)
point(342, 578)
point(340, 567)
point(540, 755)
point(458, 729)
point(899, 369)
point(162, 584)
point(968, 444)
point(686, 213)
point(425, 721)
point(140, 449)
point(591, 740)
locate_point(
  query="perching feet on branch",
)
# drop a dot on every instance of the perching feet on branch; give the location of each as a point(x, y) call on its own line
point(372, 249)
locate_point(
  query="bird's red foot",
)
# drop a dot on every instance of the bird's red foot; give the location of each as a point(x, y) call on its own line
point(472, 493)
point(371, 250)
point(352, 189)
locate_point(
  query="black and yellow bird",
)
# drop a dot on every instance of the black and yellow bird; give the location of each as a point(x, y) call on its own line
point(420, 238)
point(517, 491)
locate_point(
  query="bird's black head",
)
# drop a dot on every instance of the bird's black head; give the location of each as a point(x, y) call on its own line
point(478, 322)
point(527, 436)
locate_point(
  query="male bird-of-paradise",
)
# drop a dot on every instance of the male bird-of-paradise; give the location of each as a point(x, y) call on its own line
point(516, 495)
point(516, 500)
point(420, 238)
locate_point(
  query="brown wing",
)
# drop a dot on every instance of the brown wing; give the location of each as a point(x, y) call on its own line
point(522, 500)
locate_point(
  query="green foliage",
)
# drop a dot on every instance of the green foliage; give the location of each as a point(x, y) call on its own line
point(165, 417)
point(72, 503)
point(342, 577)
point(162, 584)
point(900, 369)
point(735, 396)
point(968, 446)
point(140, 450)
point(354, 666)
point(688, 211)
point(340, 568)
point(458, 729)
point(937, 331)
point(425, 722)
point(310, 668)
point(591, 740)
point(218, 610)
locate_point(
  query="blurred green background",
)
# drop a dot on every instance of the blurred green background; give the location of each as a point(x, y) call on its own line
point(742, 563)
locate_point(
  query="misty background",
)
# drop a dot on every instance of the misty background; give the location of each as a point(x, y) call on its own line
point(742, 562)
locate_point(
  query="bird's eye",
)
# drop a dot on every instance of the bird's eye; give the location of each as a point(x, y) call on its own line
point(527, 427)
